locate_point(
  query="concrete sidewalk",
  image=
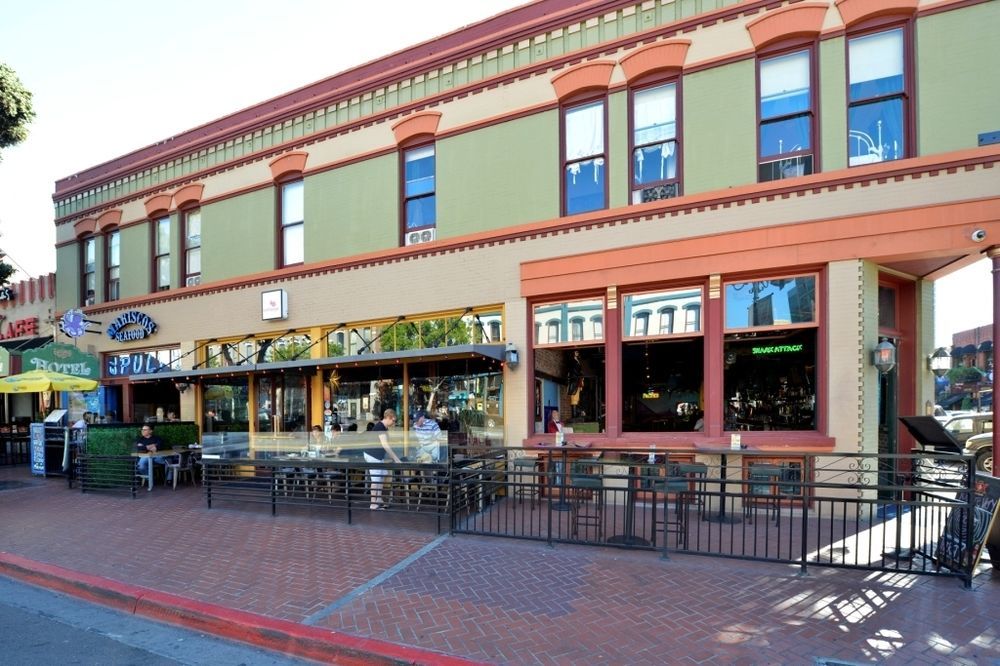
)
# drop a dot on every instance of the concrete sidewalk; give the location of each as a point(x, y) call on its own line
point(387, 590)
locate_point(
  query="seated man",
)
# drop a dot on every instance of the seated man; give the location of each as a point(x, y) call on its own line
point(148, 442)
point(428, 438)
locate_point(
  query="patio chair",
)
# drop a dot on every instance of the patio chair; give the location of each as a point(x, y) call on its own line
point(177, 465)
point(678, 484)
point(586, 493)
point(524, 480)
point(762, 488)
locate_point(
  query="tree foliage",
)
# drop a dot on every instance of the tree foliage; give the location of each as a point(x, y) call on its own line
point(16, 111)
point(6, 270)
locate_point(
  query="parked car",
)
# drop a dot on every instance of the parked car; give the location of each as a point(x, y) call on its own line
point(981, 446)
point(968, 424)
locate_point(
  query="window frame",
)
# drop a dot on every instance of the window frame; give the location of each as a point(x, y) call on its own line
point(641, 85)
point(157, 253)
point(112, 271)
point(406, 148)
point(872, 27)
point(566, 106)
point(186, 249)
point(779, 50)
point(88, 242)
point(282, 227)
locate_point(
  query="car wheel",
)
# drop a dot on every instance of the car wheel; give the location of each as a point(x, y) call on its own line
point(984, 461)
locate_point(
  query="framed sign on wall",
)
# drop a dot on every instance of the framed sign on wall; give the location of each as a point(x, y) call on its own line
point(274, 305)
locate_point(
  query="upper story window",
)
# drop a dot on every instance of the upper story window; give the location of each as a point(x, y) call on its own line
point(419, 194)
point(877, 114)
point(192, 247)
point(655, 148)
point(112, 281)
point(667, 320)
point(576, 329)
point(291, 242)
point(786, 116)
point(88, 261)
point(161, 254)
point(585, 162)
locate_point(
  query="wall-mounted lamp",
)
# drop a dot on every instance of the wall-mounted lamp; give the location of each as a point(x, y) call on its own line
point(181, 386)
point(939, 362)
point(510, 356)
point(884, 356)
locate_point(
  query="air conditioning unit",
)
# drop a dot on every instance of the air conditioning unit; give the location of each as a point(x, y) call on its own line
point(422, 236)
point(193, 281)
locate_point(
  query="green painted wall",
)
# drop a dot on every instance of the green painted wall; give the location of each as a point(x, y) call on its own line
point(353, 209)
point(832, 105)
point(719, 131)
point(958, 84)
point(618, 155)
point(237, 236)
point(67, 277)
point(499, 176)
point(135, 260)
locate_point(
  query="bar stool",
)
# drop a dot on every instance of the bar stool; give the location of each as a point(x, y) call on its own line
point(698, 472)
point(762, 480)
point(525, 479)
point(586, 489)
point(678, 485)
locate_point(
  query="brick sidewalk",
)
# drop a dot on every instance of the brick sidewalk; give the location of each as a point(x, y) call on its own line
point(494, 600)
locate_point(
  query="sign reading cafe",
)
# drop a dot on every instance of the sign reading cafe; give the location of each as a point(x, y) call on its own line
point(132, 325)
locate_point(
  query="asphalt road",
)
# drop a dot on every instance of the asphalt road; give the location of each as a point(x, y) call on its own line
point(42, 627)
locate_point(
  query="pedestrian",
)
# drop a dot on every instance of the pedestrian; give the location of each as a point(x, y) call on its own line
point(377, 454)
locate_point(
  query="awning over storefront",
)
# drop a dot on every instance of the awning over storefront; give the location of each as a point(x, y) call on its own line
point(26, 343)
point(495, 352)
point(986, 346)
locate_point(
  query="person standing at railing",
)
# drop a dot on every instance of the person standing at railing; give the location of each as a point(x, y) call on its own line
point(377, 454)
point(428, 438)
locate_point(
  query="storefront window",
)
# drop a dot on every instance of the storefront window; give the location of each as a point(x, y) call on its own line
point(465, 397)
point(282, 403)
point(769, 372)
point(227, 405)
point(662, 367)
point(361, 395)
point(552, 322)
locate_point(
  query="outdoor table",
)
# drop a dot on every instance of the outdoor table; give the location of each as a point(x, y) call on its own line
point(152, 454)
point(722, 516)
point(628, 537)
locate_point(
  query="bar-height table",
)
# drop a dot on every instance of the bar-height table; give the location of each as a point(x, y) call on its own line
point(722, 516)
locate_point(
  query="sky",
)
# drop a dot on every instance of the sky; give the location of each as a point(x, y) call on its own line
point(112, 76)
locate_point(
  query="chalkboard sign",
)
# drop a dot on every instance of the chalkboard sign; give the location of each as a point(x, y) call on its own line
point(953, 547)
point(37, 431)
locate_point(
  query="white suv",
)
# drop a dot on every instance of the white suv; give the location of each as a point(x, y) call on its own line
point(981, 446)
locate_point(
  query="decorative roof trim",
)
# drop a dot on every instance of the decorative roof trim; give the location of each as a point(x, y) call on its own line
point(416, 124)
point(189, 194)
point(801, 20)
point(157, 204)
point(658, 57)
point(593, 75)
point(856, 11)
point(288, 164)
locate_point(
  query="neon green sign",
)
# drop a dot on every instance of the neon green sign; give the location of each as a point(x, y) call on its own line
point(777, 349)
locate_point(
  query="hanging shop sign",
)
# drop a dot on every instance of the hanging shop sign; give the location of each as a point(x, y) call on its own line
point(274, 305)
point(132, 325)
point(21, 328)
point(59, 357)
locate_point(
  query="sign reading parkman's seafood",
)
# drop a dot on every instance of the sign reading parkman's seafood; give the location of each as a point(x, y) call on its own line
point(132, 325)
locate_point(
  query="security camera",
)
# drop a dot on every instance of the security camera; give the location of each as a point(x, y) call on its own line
point(979, 235)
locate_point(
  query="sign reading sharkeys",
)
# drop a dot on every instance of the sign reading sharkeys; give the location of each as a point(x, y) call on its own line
point(132, 325)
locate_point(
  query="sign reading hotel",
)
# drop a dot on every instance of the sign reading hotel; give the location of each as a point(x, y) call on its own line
point(132, 325)
point(59, 357)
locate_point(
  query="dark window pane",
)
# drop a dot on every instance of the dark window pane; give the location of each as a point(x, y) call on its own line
point(661, 384)
point(886, 307)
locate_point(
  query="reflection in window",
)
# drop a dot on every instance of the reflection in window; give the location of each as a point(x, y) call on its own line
point(112, 289)
point(637, 308)
point(876, 114)
point(576, 329)
point(88, 251)
point(192, 247)
point(292, 223)
point(785, 117)
point(570, 380)
point(661, 384)
point(553, 319)
point(228, 401)
point(161, 252)
point(419, 189)
point(654, 144)
point(775, 302)
point(769, 380)
point(282, 402)
point(584, 163)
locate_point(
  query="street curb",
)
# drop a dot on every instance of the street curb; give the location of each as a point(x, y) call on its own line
point(292, 638)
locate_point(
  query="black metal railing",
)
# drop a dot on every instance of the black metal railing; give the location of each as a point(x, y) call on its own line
point(801, 509)
point(107, 473)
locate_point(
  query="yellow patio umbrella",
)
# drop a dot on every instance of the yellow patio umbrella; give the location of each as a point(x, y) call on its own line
point(36, 381)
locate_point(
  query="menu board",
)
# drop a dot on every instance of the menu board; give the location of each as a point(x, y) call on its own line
point(953, 546)
point(37, 434)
